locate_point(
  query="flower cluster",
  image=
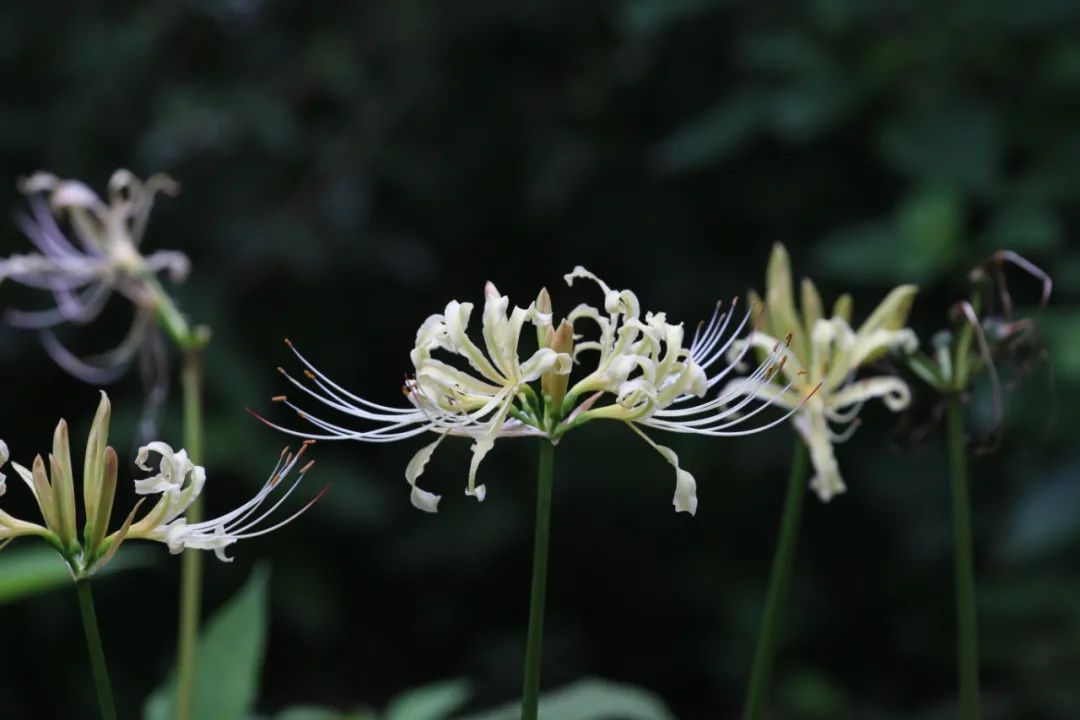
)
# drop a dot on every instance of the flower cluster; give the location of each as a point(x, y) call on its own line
point(640, 372)
point(105, 257)
point(831, 352)
point(178, 481)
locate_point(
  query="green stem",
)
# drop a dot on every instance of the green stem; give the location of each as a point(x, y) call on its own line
point(779, 581)
point(531, 693)
point(966, 630)
point(191, 562)
point(97, 653)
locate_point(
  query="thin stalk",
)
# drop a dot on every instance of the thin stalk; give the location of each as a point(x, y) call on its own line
point(966, 626)
point(780, 579)
point(531, 694)
point(191, 380)
point(97, 653)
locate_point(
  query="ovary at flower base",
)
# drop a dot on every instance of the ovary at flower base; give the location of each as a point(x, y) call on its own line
point(637, 369)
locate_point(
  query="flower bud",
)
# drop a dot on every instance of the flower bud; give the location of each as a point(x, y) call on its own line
point(553, 384)
point(94, 465)
point(63, 483)
point(543, 306)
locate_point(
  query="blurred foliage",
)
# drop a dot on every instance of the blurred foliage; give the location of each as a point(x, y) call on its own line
point(349, 167)
point(589, 700)
point(29, 571)
point(230, 655)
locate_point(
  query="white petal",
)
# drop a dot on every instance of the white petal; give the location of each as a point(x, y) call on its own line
point(685, 499)
point(3, 459)
point(74, 194)
point(422, 499)
point(482, 446)
point(38, 182)
point(893, 391)
point(827, 482)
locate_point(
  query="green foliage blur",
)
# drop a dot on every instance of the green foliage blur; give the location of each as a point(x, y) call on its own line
point(348, 168)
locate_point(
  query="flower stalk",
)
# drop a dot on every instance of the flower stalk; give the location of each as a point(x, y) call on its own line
point(780, 580)
point(966, 620)
point(93, 646)
point(534, 639)
point(191, 380)
point(983, 331)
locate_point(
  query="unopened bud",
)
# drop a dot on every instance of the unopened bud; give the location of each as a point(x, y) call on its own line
point(561, 341)
point(543, 325)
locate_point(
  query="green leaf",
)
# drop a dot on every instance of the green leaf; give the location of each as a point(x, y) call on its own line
point(919, 242)
point(1025, 228)
point(957, 144)
point(649, 17)
point(430, 702)
point(710, 137)
point(809, 694)
point(29, 571)
point(590, 699)
point(315, 713)
point(230, 658)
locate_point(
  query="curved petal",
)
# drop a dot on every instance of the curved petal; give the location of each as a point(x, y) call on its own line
point(482, 445)
point(893, 391)
point(422, 499)
point(827, 482)
point(4, 455)
point(685, 499)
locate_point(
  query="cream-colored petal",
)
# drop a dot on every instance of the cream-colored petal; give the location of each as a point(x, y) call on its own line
point(422, 499)
point(780, 300)
point(814, 428)
point(4, 455)
point(893, 391)
point(496, 331)
point(892, 312)
point(457, 322)
point(542, 361)
point(482, 445)
point(812, 308)
point(685, 499)
point(869, 347)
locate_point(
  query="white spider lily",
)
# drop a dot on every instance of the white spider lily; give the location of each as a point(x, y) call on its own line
point(178, 481)
point(832, 353)
point(491, 399)
point(99, 254)
point(656, 382)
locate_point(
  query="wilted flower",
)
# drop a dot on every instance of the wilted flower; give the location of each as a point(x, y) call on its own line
point(831, 353)
point(983, 334)
point(178, 481)
point(643, 366)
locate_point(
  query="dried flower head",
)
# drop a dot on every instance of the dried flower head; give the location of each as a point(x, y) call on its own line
point(983, 334)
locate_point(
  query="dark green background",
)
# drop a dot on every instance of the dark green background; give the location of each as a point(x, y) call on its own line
point(347, 168)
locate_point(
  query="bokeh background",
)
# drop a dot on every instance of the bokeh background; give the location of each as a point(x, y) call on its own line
point(347, 168)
